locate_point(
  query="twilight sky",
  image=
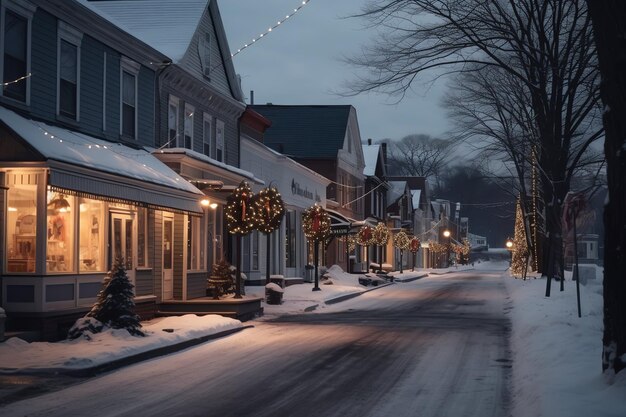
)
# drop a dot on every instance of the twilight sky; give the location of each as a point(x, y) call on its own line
point(300, 63)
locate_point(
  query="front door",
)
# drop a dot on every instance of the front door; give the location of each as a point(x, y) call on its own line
point(168, 258)
point(122, 237)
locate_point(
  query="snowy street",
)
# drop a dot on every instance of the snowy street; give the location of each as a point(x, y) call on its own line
point(420, 348)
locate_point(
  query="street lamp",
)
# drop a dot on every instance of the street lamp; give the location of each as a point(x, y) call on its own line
point(446, 233)
point(509, 247)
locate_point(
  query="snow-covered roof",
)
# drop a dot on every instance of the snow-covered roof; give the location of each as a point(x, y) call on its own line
point(201, 157)
point(76, 148)
point(370, 155)
point(416, 198)
point(396, 190)
point(166, 25)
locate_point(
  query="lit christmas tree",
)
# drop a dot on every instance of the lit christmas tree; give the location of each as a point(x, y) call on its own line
point(520, 247)
point(115, 305)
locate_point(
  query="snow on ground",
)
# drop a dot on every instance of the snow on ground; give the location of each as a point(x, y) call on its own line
point(556, 355)
point(110, 345)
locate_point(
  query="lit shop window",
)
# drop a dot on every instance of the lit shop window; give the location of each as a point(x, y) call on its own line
point(91, 235)
point(142, 236)
point(60, 232)
point(21, 222)
point(195, 243)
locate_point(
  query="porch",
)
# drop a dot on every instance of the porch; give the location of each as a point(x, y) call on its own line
point(243, 309)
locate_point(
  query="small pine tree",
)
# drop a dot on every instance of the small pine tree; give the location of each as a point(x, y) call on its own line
point(115, 305)
point(222, 277)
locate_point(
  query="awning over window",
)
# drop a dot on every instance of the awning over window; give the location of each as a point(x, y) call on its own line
point(91, 166)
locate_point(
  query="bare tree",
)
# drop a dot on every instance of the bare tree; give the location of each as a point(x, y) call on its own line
point(493, 113)
point(609, 24)
point(544, 45)
point(421, 155)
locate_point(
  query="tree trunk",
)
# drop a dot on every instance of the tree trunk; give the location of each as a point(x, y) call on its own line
point(609, 24)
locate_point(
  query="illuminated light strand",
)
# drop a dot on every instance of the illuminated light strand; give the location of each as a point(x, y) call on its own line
point(17, 80)
point(271, 28)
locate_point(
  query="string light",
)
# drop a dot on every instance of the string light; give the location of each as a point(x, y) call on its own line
point(278, 23)
point(401, 240)
point(380, 235)
point(17, 80)
point(520, 247)
point(269, 210)
point(316, 223)
point(239, 210)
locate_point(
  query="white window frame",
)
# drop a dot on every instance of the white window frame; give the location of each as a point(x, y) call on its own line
point(72, 36)
point(219, 140)
point(175, 102)
point(132, 68)
point(207, 140)
point(26, 10)
point(188, 125)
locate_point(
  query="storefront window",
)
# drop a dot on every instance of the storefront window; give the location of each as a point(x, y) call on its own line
point(60, 232)
point(195, 237)
point(21, 222)
point(91, 235)
point(142, 240)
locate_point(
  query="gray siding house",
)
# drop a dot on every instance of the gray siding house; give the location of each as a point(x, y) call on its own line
point(198, 106)
point(77, 186)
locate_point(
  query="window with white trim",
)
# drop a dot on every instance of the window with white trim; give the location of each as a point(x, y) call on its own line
point(195, 243)
point(189, 110)
point(206, 134)
point(128, 104)
point(219, 141)
point(16, 22)
point(172, 123)
point(68, 70)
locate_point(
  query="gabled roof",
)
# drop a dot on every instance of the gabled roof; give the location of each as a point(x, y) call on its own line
point(166, 25)
point(371, 155)
point(396, 191)
point(306, 131)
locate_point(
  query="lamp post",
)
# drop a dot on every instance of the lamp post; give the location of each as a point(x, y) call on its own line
point(509, 247)
point(446, 234)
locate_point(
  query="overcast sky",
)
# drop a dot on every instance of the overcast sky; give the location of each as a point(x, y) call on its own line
point(300, 63)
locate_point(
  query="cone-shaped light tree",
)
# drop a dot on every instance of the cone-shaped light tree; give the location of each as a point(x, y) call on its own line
point(240, 221)
point(401, 241)
point(269, 210)
point(316, 227)
point(519, 254)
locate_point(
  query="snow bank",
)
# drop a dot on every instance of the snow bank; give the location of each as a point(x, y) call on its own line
point(110, 345)
point(557, 355)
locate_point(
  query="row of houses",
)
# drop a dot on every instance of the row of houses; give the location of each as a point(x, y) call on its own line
point(123, 129)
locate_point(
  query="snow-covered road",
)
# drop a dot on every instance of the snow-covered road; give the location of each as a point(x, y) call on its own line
point(436, 348)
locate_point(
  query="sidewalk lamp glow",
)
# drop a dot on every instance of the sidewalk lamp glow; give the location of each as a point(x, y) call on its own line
point(446, 234)
point(509, 244)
